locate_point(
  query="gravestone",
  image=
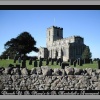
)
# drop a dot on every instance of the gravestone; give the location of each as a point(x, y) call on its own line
point(80, 62)
point(57, 62)
point(35, 63)
point(40, 63)
point(30, 62)
point(74, 63)
point(83, 61)
point(8, 57)
point(60, 61)
point(47, 62)
point(52, 61)
point(98, 64)
point(23, 64)
point(64, 64)
point(15, 58)
point(19, 60)
point(71, 61)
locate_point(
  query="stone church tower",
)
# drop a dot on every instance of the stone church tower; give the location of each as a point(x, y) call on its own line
point(53, 34)
point(59, 47)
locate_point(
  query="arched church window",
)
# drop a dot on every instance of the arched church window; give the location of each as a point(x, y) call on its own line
point(49, 33)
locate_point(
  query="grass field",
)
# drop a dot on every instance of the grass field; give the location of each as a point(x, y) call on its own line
point(5, 63)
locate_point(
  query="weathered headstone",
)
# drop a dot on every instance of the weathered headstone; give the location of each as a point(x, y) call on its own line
point(23, 64)
point(57, 62)
point(60, 62)
point(98, 64)
point(40, 63)
point(75, 63)
point(71, 61)
point(8, 57)
point(47, 62)
point(52, 61)
point(64, 64)
point(15, 58)
point(80, 62)
point(35, 63)
point(19, 60)
point(30, 62)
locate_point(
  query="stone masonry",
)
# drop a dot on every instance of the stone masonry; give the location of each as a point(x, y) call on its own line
point(45, 78)
point(59, 47)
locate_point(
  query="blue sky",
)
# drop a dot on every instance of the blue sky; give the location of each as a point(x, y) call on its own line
point(85, 23)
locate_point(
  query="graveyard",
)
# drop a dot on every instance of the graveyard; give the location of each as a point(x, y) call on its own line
point(5, 63)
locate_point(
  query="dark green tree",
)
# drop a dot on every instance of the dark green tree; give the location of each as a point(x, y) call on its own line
point(86, 54)
point(8, 52)
point(24, 43)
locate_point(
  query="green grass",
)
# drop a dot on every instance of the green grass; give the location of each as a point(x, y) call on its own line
point(93, 66)
point(5, 63)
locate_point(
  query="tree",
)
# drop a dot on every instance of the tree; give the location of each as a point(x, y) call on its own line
point(8, 52)
point(86, 54)
point(24, 43)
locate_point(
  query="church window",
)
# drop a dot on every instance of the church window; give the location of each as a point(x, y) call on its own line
point(49, 33)
point(49, 39)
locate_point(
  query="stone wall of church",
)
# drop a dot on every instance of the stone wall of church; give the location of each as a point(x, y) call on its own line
point(59, 47)
point(67, 48)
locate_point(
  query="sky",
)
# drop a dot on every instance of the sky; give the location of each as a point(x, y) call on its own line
point(84, 23)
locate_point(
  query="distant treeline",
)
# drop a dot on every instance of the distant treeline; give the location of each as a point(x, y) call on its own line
point(12, 57)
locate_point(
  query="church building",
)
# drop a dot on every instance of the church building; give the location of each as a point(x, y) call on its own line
point(58, 47)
